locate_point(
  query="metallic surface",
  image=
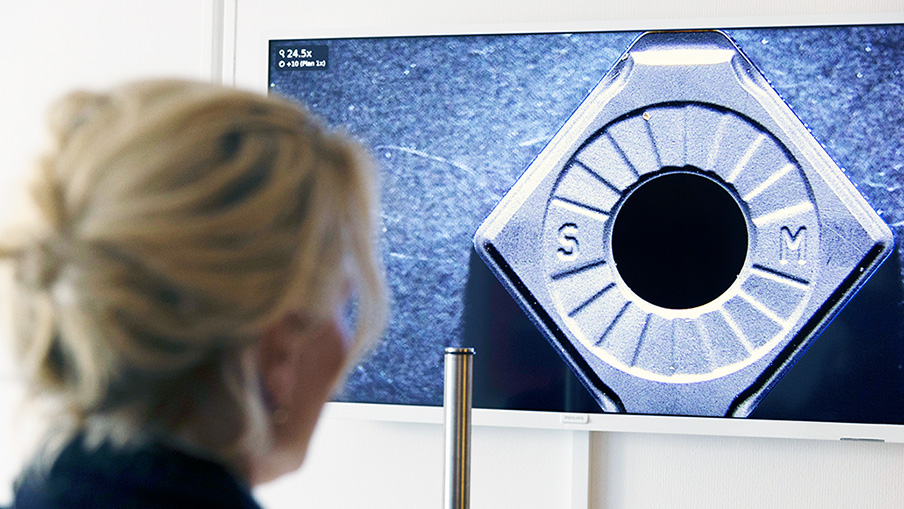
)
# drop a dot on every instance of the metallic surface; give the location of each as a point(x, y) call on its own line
point(459, 368)
point(683, 102)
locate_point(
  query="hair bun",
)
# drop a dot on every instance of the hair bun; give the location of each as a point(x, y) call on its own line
point(39, 265)
point(72, 111)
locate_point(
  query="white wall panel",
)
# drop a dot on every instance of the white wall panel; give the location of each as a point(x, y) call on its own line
point(632, 470)
point(356, 463)
point(46, 49)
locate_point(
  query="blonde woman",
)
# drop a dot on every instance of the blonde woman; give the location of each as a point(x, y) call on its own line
point(182, 309)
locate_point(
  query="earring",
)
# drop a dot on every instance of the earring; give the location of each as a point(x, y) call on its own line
point(280, 415)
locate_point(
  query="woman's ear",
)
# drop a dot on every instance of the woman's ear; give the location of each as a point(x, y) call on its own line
point(276, 360)
point(299, 366)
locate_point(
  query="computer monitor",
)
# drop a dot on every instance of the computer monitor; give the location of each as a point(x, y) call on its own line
point(453, 122)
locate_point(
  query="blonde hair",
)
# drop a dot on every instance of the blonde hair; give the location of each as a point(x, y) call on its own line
point(181, 219)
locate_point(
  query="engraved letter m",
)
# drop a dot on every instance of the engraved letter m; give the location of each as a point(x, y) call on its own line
point(793, 245)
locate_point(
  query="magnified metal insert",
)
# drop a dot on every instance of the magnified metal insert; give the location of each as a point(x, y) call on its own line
point(677, 255)
point(683, 238)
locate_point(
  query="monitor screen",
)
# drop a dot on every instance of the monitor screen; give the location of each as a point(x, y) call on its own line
point(453, 122)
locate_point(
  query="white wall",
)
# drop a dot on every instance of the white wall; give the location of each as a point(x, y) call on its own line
point(356, 463)
point(648, 470)
point(47, 47)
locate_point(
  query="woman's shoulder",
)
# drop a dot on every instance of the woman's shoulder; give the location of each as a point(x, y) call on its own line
point(147, 476)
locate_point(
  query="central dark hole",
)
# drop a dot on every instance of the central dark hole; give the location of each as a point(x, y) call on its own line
point(679, 240)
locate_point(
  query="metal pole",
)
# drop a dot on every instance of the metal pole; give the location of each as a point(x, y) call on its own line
point(457, 409)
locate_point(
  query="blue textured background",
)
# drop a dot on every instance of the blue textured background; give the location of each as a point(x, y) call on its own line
point(453, 122)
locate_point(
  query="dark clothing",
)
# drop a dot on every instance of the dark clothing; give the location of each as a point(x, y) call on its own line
point(152, 476)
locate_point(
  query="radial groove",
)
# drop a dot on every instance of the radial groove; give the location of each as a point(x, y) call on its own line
point(599, 177)
point(717, 142)
point(759, 306)
point(612, 324)
point(640, 338)
point(748, 154)
point(592, 298)
point(737, 330)
point(768, 182)
point(577, 270)
point(785, 213)
point(684, 113)
point(581, 208)
point(707, 341)
point(621, 152)
point(649, 131)
point(781, 277)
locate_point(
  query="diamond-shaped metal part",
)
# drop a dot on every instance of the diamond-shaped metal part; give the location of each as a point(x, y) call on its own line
point(682, 108)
